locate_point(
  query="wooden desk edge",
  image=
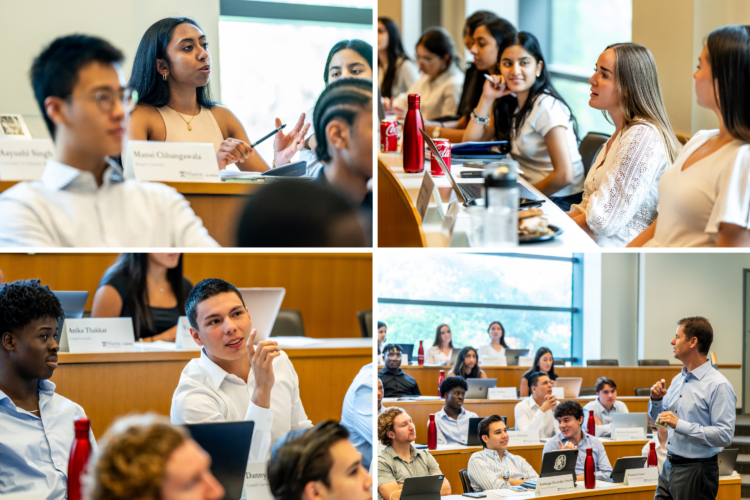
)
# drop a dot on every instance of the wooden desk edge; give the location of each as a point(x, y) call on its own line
point(214, 188)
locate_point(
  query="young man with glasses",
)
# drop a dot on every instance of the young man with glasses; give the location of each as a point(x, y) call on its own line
point(396, 383)
point(82, 198)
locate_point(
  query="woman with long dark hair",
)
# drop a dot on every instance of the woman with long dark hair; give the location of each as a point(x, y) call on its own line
point(467, 364)
point(171, 74)
point(543, 362)
point(521, 106)
point(442, 348)
point(396, 72)
point(496, 347)
point(704, 197)
point(147, 287)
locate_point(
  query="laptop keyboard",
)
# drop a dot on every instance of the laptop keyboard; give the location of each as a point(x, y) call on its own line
point(471, 191)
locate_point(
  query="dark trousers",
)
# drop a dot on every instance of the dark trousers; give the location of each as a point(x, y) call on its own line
point(688, 481)
point(565, 202)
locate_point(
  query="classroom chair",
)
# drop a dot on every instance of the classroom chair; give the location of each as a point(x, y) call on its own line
point(590, 147)
point(602, 362)
point(399, 224)
point(365, 322)
point(288, 324)
point(465, 482)
point(653, 362)
point(586, 391)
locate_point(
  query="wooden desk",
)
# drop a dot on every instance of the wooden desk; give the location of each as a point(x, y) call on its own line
point(108, 386)
point(627, 378)
point(420, 411)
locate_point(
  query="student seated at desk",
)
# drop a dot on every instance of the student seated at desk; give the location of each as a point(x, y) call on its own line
point(400, 459)
point(452, 421)
point(604, 406)
point(82, 198)
point(467, 364)
point(442, 347)
point(234, 380)
point(396, 383)
point(496, 347)
point(569, 415)
point(36, 425)
point(356, 413)
point(318, 464)
point(494, 467)
point(170, 73)
point(147, 287)
point(543, 362)
point(382, 329)
point(537, 411)
point(169, 465)
point(660, 438)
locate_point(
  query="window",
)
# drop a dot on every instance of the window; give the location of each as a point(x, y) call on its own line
point(532, 296)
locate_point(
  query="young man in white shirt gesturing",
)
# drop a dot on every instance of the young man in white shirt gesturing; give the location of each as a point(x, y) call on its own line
point(537, 411)
point(234, 380)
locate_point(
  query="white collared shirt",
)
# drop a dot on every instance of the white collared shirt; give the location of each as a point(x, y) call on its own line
point(437, 98)
point(486, 470)
point(451, 431)
point(661, 452)
point(604, 430)
point(530, 417)
point(66, 208)
point(207, 393)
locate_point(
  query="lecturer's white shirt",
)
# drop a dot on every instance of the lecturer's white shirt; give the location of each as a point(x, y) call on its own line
point(207, 393)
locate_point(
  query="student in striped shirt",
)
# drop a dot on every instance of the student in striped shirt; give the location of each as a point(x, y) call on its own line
point(494, 467)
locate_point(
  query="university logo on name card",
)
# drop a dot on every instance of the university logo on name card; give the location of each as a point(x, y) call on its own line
point(629, 434)
point(172, 161)
point(523, 437)
point(501, 393)
point(256, 481)
point(641, 477)
point(24, 159)
point(184, 341)
point(85, 335)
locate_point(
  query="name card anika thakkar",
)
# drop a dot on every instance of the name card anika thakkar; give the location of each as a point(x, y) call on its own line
point(171, 161)
point(86, 335)
point(184, 341)
point(256, 481)
point(24, 159)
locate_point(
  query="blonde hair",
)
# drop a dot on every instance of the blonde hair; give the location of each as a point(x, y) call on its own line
point(132, 458)
point(385, 424)
point(640, 93)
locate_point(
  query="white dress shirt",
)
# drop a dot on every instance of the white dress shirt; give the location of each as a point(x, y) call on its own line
point(207, 393)
point(451, 431)
point(437, 98)
point(486, 470)
point(661, 452)
point(604, 430)
point(35, 448)
point(357, 413)
point(530, 417)
point(435, 356)
point(489, 351)
point(66, 208)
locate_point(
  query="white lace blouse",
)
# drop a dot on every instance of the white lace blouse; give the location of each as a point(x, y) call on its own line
point(621, 195)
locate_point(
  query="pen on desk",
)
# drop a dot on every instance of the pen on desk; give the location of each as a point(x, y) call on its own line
point(253, 144)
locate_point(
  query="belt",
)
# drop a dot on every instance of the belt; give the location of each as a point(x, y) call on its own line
point(678, 460)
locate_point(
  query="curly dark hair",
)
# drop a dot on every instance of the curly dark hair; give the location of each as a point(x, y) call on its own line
point(451, 383)
point(24, 301)
point(385, 424)
point(569, 408)
point(203, 291)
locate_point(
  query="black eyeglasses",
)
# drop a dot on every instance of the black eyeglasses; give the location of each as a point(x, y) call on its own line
point(105, 99)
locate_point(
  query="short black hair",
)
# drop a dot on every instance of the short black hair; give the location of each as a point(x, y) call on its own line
point(602, 381)
point(390, 347)
point(534, 379)
point(344, 99)
point(700, 328)
point(569, 408)
point(381, 325)
point(359, 46)
point(484, 427)
point(477, 18)
point(451, 383)
point(24, 301)
point(304, 458)
point(205, 290)
point(54, 72)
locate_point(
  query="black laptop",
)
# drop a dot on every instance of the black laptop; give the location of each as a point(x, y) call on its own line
point(624, 464)
point(407, 351)
point(473, 438)
point(727, 460)
point(422, 487)
point(556, 463)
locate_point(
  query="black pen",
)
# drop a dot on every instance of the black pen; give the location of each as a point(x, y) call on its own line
point(253, 144)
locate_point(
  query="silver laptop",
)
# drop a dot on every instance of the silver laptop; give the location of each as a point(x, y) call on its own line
point(512, 355)
point(73, 304)
point(263, 304)
point(478, 387)
point(571, 386)
point(633, 420)
point(727, 461)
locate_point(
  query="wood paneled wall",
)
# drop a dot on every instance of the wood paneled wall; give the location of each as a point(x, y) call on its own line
point(328, 289)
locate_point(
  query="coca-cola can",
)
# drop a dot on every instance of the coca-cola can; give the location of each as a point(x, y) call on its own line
point(388, 136)
point(444, 148)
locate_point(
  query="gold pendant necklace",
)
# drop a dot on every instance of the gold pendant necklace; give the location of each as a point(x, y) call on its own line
point(190, 129)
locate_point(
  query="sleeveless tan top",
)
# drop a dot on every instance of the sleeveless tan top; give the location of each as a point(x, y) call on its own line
point(203, 125)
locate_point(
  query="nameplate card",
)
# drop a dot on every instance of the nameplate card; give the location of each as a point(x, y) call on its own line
point(501, 393)
point(494, 361)
point(449, 222)
point(425, 192)
point(172, 161)
point(525, 360)
point(256, 481)
point(629, 434)
point(183, 340)
point(642, 477)
point(516, 438)
point(554, 485)
point(84, 335)
point(558, 392)
point(24, 159)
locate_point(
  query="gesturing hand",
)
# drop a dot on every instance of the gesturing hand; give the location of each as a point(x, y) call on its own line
point(596, 419)
point(568, 446)
point(285, 146)
point(496, 88)
point(550, 403)
point(659, 390)
point(233, 151)
point(668, 418)
point(261, 362)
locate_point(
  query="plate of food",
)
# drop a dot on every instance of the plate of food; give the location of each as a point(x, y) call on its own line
point(533, 227)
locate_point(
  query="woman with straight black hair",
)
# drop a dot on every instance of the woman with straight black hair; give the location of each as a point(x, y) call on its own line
point(496, 347)
point(171, 74)
point(396, 72)
point(543, 362)
point(467, 365)
point(147, 287)
point(704, 197)
point(521, 106)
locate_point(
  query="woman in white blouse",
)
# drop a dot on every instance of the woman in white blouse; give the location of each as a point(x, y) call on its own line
point(442, 349)
point(521, 106)
point(620, 193)
point(704, 197)
point(496, 347)
point(442, 79)
point(396, 72)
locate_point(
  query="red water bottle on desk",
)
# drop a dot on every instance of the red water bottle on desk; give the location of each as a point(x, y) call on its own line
point(412, 148)
point(440, 380)
point(591, 429)
point(432, 433)
point(589, 471)
point(652, 462)
point(79, 458)
point(420, 354)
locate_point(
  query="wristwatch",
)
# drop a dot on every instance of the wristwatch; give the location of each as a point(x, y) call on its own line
point(506, 476)
point(436, 133)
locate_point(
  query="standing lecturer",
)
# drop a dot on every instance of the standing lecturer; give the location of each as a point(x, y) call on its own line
point(699, 409)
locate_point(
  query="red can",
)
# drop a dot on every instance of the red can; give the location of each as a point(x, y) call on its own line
point(444, 148)
point(388, 136)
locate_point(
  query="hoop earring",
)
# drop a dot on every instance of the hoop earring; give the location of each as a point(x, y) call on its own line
point(164, 76)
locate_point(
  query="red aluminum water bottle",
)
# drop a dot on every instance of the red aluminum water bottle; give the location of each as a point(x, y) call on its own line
point(388, 136)
point(440, 380)
point(413, 145)
point(444, 148)
point(591, 429)
point(589, 471)
point(432, 433)
point(420, 354)
point(79, 458)
point(652, 461)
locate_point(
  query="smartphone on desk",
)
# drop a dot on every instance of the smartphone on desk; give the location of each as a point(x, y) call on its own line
point(472, 174)
point(474, 495)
